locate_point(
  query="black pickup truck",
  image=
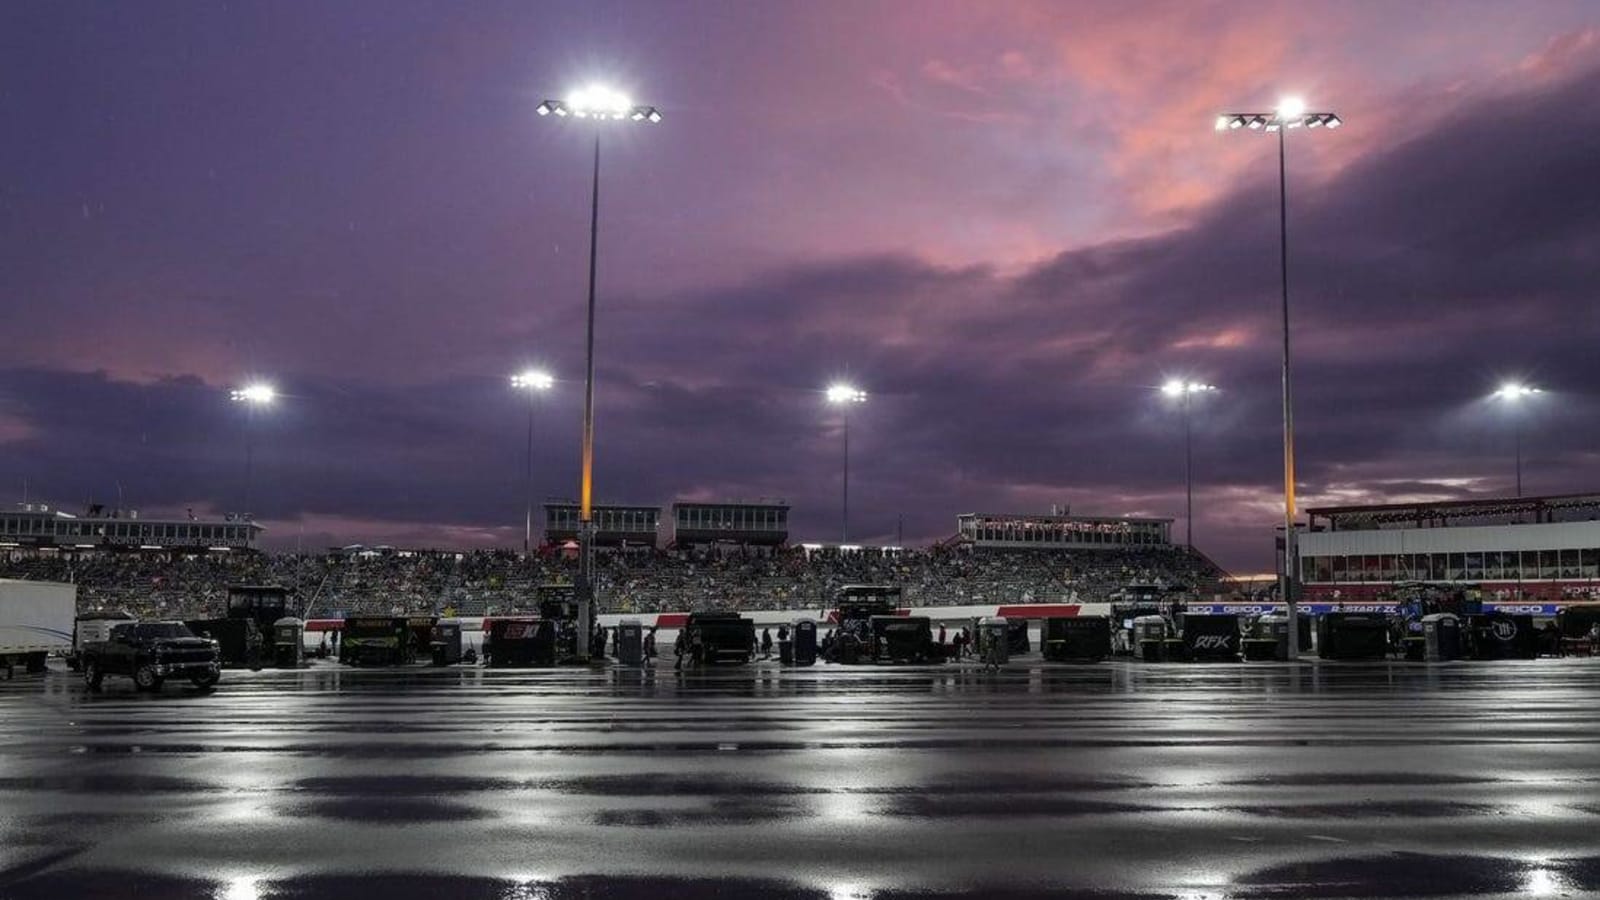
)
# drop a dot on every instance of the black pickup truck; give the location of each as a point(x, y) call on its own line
point(150, 653)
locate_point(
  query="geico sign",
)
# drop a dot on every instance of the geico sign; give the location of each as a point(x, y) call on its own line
point(1213, 642)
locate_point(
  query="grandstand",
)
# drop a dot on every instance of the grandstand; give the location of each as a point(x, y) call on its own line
point(1545, 548)
point(484, 582)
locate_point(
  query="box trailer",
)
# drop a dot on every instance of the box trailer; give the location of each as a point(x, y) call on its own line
point(35, 621)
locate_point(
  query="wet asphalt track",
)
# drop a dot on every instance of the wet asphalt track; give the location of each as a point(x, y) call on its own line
point(1118, 780)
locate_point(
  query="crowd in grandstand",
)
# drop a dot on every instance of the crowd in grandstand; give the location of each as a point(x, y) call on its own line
point(638, 581)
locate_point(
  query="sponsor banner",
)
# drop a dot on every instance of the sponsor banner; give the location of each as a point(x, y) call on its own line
point(1523, 609)
point(1039, 611)
point(1317, 609)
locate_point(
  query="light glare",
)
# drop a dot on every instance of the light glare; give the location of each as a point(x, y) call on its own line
point(844, 393)
point(599, 100)
point(1512, 390)
point(1177, 387)
point(533, 380)
point(259, 394)
point(1291, 108)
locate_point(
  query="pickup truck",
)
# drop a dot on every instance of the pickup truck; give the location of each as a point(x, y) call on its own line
point(150, 653)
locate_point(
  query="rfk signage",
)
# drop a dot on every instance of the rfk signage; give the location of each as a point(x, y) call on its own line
point(1213, 642)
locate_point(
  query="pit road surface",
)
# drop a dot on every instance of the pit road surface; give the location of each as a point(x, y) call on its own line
point(1116, 780)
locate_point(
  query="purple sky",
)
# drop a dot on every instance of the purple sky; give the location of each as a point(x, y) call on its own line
point(1008, 221)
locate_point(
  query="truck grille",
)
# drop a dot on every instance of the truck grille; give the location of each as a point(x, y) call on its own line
point(178, 657)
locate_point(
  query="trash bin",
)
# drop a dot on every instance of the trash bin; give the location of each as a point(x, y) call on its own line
point(994, 640)
point(1150, 638)
point(1503, 636)
point(288, 642)
point(630, 643)
point(1211, 638)
point(1442, 634)
point(1077, 639)
point(805, 642)
point(1352, 636)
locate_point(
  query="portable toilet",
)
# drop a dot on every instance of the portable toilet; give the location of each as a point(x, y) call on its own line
point(288, 642)
point(805, 642)
point(1150, 638)
point(444, 642)
point(1442, 632)
point(630, 643)
point(994, 640)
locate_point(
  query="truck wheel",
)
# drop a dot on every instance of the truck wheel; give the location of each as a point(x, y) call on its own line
point(205, 682)
point(92, 676)
point(146, 679)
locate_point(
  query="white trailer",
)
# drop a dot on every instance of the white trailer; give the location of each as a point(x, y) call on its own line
point(35, 621)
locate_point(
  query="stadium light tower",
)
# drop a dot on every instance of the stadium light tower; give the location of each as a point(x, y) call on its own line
point(532, 382)
point(600, 105)
point(845, 396)
point(1290, 114)
point(1183, 391)
point(253, 397)
point(1515, 393)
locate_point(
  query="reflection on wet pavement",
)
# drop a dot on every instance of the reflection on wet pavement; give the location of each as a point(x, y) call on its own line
point(1120, 780)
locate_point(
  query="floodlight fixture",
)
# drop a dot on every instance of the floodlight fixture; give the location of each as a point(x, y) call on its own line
point(844, 393)
point(1177, 387)
point(258, 394)
point(600, 103)
point(533, 380)
point(1289, 114)
point(1513, 390)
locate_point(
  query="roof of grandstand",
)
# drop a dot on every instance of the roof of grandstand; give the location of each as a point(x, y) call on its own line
point(1055, 517)
point(1444, 513)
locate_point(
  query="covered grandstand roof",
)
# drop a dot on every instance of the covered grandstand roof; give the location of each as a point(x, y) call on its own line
point(1447, 513)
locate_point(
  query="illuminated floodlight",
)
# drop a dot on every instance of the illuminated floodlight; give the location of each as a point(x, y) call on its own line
point(601, 103)
point(1177, 387)
point(1291, 113)
point(844, 393)
point(259, 394)
point(533, 380)
point(1513, 390)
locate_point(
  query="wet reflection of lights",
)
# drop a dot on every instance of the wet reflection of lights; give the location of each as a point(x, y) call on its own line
point(250, 790)
point(527, 887)
point(1541, 881)
point(244, 887)
point(849, 892)
point(844, 806)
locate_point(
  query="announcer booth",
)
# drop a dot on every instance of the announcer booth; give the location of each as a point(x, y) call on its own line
point(615, 526)
point(761, 524)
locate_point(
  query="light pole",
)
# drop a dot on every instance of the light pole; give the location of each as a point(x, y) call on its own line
point(253, 397)
point(533, 382)
point(844, 396)
point(599, 105)
point(1183, 391)
point(1514, 393)
point(1291, 113)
